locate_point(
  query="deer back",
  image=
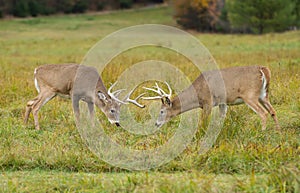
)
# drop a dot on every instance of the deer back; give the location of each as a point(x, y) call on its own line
point(58, 78)
point(226, 85)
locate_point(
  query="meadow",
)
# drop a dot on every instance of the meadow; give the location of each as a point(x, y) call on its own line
point(55, 159)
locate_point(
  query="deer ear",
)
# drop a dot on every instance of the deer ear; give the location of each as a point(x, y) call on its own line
point(101, 96)
point(167, 101)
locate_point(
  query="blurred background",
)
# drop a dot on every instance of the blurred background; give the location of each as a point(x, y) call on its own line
point(225, 16)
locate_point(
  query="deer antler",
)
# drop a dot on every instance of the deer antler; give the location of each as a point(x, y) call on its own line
point(159, 91)
point(133, 101)
point(114, 95)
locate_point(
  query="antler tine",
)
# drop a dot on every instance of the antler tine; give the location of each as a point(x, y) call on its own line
point(133, 101)
point(152, 98)
point(163, 92)
point(139, 96)
point(117, 92)
point(109, 89)
point(159, 91)
point(170, 90)
point(113, 94)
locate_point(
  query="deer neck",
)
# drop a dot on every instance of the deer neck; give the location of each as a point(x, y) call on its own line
point(175, 109)
point(185, 101)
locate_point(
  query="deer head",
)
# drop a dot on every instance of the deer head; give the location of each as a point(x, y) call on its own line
point(165, 113)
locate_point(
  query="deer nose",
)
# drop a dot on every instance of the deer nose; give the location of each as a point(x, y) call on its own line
point(157, 125)
point(117, 124)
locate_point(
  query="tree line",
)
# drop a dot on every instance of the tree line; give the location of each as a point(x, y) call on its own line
point(25, 8)
point(226, 16)
point(243, 16)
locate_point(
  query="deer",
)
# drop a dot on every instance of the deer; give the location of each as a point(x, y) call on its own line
point(224, 87)
point(77, 82)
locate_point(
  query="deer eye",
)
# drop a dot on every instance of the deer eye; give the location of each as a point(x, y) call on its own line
point(112, 111)
point(161, 112)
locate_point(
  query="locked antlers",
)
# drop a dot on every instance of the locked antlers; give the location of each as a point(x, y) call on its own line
point(114, 95)
point(161, 94)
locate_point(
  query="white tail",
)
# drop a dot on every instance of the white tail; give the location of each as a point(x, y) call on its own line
point(247, 84)
point(79, 83)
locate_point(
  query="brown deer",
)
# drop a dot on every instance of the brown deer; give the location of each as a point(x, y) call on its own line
point(77, 82)
point(229, 86)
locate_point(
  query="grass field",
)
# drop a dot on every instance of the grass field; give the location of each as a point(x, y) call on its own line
point(55, 159)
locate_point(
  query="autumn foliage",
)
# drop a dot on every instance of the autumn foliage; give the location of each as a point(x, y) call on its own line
point(201, 15)
point(238, 16)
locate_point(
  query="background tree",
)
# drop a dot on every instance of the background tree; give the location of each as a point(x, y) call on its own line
point(201, 15)
point(261, 15)
point(24, 8)
point(297, 12)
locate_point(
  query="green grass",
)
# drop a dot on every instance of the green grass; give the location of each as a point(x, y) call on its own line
point(55, 159)
point(53, 181)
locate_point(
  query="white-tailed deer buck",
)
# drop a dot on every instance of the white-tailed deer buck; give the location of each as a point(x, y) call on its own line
point(247, 84)
point(77, 82)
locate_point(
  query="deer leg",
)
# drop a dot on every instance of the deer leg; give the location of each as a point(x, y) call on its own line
point(29, 108)
point(92, 112)
point(91, 109)
point(205, 114)
point(75, 103)
point(206, 111)
point(43, 98)
point(258, 109)
point(222, 110)
point(267, 105)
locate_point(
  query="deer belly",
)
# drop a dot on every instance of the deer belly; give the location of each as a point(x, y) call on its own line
point(237, 101)
point(67, 96)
